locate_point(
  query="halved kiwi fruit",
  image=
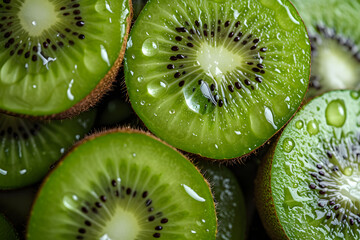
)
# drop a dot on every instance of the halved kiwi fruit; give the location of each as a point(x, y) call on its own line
point(59, 57)
point(230, 203)
point(123, 184)
point(217, 78)
point(28, 148)
point(335, 40)
point(308, 184)
point(7, 232)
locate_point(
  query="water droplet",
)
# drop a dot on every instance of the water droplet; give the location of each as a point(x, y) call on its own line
point(288, 145)
point(313, 127)
point(150, 47)
point(336, 113)
point(355, 95)
point(192, 193)
point(299, 124)
point(172, 111)
point(259, 123)
point(71, 201)
point(134, 154)
point(142, 103)
point(216, 146)
point(157, 88)
point(348, 171)
point(140, 78)
point(237, 132)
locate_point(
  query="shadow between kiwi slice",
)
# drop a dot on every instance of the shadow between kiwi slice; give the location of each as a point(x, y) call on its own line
point(59, 57)
point(7, 231)
point(217, 78)
point(335, 41)
point(123, 185)
point(308, 184)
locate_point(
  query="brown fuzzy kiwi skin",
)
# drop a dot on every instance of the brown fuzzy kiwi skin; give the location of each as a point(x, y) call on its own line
point(264, 200)
point(105, 132)
point(103, 87)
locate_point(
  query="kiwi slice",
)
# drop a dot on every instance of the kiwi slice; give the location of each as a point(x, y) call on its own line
point(7, 232)
point(308, 184)
point(230, 203)
point(335, 41)
point(59, 57)
point(28, 148)
point(217, 78)
point(123, 185)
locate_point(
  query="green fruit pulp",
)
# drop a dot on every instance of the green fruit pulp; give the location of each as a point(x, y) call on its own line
point(54, 53)
point(28, 148)
point(217, 94)
point(115, 165)
point(335, 39)
point(7, 231)
point(230, 202)
point(315, 170)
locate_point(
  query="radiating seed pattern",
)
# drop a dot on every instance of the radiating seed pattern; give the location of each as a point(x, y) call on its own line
point(12, 35)
point(326, 33)
point(329, 176)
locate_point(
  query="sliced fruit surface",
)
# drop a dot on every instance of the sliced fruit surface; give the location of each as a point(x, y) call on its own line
point(310, 182)
point(335, 41)
point(28, 148)
point(7, 232)
point(54, 53)
point(217, 78)
point(230, 203)
point(124, 185)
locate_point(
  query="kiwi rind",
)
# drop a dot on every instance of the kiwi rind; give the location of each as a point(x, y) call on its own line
point(267, 183)
point(147, 115)
point(94, 97)
point(39, 198)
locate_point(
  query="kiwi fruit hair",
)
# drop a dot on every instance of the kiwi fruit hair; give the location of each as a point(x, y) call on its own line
point(335, 42)
point(7, 231)
point(29, 148)
point(307, 185)
point(123, 184)
point(59, 61)
point(217, 78)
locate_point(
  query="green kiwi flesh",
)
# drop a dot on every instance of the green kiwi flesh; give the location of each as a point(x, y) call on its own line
point(308, 185)
point(55, 55)
point(7, 232)
point(217, 78)
point(230, 203)
point(335, 40)
point(28, 148)
point(123, 185)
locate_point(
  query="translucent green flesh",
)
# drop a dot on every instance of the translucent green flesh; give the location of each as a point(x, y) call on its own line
point(170, 193)
point(6, 230)
point(29, 148)
point(230, 202)
point(47, 69)
point(180, 104)
point(336, 55)
point(315, 171)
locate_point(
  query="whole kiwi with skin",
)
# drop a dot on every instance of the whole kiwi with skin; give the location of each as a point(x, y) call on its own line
point(123, 184)
point(59, 57)
point(335, 43)
point(217, 78)
point(308, 184)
